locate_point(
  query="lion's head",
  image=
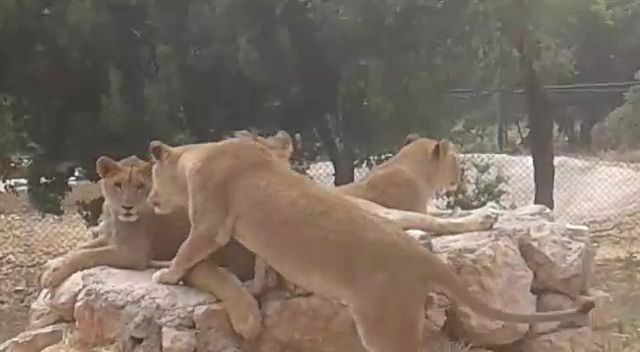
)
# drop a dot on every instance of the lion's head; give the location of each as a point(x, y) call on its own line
point(125, 185)
point(440, 160)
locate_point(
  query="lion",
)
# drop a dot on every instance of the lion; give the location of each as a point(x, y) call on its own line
point(410, 179)
point(434, 165)
point(132, 236)
point(313, 237)
point(401, 188)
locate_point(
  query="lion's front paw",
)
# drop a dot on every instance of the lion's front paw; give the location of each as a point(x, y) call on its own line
point(167, 276)
point(53, 274)
point(486, 220)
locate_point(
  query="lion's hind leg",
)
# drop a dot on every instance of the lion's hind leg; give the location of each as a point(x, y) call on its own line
point(241, 306)
point(390, 323)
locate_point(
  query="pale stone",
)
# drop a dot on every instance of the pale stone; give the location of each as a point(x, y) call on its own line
point(570, 340)
point(178, 341)
point(493, 270)
point(35, 340)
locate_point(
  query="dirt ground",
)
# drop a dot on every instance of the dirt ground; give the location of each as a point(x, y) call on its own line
point(26, 242)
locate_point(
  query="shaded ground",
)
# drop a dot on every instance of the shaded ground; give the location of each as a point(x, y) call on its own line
point(620, 279)
point(27, 242)
point(618, 273)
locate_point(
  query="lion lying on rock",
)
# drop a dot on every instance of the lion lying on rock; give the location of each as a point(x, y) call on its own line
point(314, 237)
point(401, 188)
point(132, 236)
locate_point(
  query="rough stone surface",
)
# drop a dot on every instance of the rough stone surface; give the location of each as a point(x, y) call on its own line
point(125, 309)
point(308, 324)
point(493, 269)
point(178, 341)
point(63, 298)
point(550, 301)
point(570, 340)
point(600, 317)
point(35, 340)
point(559, 254)
point(99, 296)
point(560, 263)
point(41, 313)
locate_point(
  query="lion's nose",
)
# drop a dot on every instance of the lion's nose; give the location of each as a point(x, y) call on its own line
point(127, 207)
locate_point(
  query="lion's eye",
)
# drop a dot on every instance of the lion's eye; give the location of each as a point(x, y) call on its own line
point(118, 185)
point(139, 187)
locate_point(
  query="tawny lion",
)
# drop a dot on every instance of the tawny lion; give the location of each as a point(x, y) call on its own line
point(132, 236)
point(314, 237)
point(401, 188)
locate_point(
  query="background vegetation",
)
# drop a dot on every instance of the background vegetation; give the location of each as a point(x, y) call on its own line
point(82, 78)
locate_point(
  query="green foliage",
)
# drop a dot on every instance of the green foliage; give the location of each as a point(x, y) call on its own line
point(372, 160)
point(13, 137)
point(482, 183)
point(82, 78)
point(623, 125)
point(91, 210)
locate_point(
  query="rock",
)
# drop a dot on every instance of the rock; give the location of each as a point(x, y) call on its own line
point(63, 297)
point(125, 309)
point(560, 263)
point(436, 310)
point(214, 332)
point(178, 341)
point(308, 324)
point(559, 254)
point(35, 340)
point(493, 270)
point(550, 301)
point(139, 332)
point(600, 317)
point(435, 340)
point(571, 340)
point(106, 293)
point(41, 314)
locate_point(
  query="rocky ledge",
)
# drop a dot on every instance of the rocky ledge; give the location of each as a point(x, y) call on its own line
point(527, 263)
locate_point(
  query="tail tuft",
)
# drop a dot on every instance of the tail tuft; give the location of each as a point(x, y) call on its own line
point(587, 306)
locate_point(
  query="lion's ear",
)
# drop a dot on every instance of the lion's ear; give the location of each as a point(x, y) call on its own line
point(158, 150)
point(244, 134)
point(282, 139)
point(410, 138)
point(441, 149)
point(105, 166)
point(146, 168)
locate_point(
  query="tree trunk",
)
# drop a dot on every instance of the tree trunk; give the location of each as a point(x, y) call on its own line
point(127, 22)
point(540, 122)
point(319, 82)
point(341, 159)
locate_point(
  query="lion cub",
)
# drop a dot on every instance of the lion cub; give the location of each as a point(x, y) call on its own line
point(314, 237)
point(132, 236)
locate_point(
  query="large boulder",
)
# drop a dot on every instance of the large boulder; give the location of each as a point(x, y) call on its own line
point(527, 263)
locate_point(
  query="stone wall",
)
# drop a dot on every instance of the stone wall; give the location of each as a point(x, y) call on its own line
point(527, 263)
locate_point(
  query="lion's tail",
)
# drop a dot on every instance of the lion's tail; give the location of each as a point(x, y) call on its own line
point(450, 284)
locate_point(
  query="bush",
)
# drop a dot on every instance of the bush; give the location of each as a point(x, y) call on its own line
point(481, 183)
point(622, 127)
